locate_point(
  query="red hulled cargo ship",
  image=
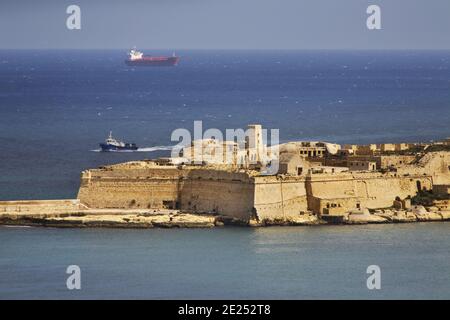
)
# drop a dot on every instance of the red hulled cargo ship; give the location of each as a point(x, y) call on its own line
point(137, 58)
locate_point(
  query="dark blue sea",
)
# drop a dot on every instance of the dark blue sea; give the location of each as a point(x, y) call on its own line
point(56, 106)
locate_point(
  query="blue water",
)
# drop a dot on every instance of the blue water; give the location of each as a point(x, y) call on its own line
point(55, 106)
point(233, 263)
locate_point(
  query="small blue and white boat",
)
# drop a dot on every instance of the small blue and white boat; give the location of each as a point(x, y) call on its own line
point(112, 144)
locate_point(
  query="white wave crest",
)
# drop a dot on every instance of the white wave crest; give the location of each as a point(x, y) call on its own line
point(145, 149)
point(156, 148)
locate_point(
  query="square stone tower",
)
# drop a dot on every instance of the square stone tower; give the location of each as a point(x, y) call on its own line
point(255, 141)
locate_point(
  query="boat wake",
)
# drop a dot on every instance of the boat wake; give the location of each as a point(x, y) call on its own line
point(146, 149)
point(13, 226)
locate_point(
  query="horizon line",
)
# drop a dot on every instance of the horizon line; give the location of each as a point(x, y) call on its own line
point(242, 49)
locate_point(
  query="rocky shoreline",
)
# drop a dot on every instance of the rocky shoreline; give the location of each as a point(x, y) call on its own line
point(126, 220)
point(116, 218)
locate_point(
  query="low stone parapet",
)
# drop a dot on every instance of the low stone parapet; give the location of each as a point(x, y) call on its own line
point(41, 206)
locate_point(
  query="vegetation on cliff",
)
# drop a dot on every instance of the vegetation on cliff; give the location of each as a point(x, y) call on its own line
point(427, 198)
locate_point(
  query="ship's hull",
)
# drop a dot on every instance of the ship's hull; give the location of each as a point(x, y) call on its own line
point(154, 62)
point(108, 147)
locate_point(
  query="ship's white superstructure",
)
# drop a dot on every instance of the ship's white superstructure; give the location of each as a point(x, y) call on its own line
point(113, 142)
point(135, 54)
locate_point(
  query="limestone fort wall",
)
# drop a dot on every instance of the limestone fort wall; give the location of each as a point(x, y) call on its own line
point(227, 193)
point(362, 190)
point(130, 188)
point(280, 197)
point(244, 195)
point(195, 190)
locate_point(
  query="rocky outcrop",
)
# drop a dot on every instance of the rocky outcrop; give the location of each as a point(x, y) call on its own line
point(125, 220)
point(364, 217)
point(305, 219)
point(165, 218)
point(415, 214)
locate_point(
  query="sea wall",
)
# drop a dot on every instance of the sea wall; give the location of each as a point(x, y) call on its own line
point(279, 197)
point(191, 189)
point(361, 190)
point(224, 192)
point(40, 206)
point(127, 188)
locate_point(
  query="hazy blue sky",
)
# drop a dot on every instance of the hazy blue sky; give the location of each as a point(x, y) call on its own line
point(228, 24)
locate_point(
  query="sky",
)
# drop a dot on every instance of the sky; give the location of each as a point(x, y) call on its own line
point(225, 24)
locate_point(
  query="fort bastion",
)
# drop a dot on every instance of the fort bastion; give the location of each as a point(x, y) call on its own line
point(314, 182)
point(243, 193)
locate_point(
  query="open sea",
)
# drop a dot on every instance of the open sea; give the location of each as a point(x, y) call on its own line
point(56, 106)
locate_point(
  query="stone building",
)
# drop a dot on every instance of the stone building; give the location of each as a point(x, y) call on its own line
point(293, 164)
point(362, 165)
point(401, 146)
point(212, 151)
point(355, 149)
point(387, 147)
point(250, 151)
point(309, 149)
point(447, 141)
point(349, 149)
point(369, 149)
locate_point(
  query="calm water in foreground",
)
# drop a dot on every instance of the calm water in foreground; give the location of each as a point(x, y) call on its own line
point(278, 262)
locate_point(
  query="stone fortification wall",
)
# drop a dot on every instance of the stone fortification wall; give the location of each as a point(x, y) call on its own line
point(280, 197)
point(395, 160)
point(40, 206)
point(244, 195)
point(189, 188)
point(361, 190)
point(224, 192)
point(130, 187)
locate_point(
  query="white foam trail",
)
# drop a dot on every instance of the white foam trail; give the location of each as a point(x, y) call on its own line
point(146, 149)
point(156, 148)
point(6, 226)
